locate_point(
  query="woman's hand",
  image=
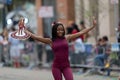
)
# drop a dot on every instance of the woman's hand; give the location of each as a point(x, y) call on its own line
point(94, 21)
point(28, 32)
point(39, 38)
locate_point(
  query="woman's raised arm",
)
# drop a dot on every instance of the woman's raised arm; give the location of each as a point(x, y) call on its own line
point(73, 36)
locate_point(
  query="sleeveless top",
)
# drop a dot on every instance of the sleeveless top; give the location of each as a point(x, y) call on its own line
point(60, 50)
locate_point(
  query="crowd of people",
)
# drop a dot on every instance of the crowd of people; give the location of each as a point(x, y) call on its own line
point(11, 48)
point(77, 47)
point(102, 49)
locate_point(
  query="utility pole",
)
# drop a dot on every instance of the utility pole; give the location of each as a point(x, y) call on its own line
point(4, 16)
point(4, 2)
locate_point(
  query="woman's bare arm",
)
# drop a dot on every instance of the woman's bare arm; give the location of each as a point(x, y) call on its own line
point(39, 38)
point(73, 36)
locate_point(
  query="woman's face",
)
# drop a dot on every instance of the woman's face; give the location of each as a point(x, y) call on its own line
point(101, 42)
point(60, 31)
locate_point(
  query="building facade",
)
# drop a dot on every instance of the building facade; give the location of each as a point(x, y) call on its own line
point(63, 11)
point(106, 12)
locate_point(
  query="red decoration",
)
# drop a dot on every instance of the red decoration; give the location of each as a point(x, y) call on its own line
point(20, 33)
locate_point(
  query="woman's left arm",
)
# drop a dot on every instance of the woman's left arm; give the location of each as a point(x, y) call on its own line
point(73, 36)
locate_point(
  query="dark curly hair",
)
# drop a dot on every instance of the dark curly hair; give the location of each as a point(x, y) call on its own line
point(105, 38)
point(54, 30)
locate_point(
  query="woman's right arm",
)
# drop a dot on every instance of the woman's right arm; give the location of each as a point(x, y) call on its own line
point(39, 38)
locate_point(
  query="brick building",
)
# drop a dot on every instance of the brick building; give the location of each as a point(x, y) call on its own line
point(63, 11)
point(106, 12)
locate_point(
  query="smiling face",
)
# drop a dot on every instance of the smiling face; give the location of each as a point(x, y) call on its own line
point(60, 31)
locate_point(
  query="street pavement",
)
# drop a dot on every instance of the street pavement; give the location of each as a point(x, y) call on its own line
point(45, 74)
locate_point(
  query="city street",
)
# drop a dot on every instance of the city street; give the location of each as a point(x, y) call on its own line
point(24, 74)
point(38, 34)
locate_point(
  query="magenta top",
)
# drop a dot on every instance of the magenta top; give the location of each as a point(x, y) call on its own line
point(60, 50)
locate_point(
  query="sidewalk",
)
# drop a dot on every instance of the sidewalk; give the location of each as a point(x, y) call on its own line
point(24, 74)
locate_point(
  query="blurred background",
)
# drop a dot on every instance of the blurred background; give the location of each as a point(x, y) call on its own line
point(39, 15)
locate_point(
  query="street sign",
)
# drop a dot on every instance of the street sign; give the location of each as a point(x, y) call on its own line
point(46, 12)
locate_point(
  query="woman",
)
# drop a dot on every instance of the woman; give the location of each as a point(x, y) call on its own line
point(59, 45)
point(84, 37)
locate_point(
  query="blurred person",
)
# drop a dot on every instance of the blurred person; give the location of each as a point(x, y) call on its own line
point(103, 50)
point(99, 47)
point(107, 47)
point(75, 28)
point(101, 59)
point(14, 49)
point(59, 45)
point(118, 40)
point(5, 44)
point(32, 46)
point(30, 50)
point(118, 35)
point(1, 38)
point(78, 57)
point(69, 28)
point(82, 27)
point(1, 50)
point(73, 55)
point(49, 53)
point(6, 56)
point(5, 32)
point(79, 51)
point(40, 52)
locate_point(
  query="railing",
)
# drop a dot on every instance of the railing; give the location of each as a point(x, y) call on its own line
point(36, 53)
